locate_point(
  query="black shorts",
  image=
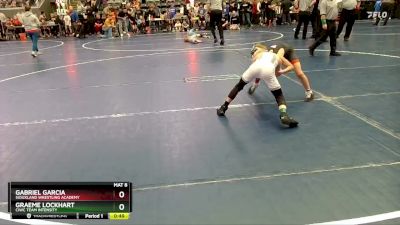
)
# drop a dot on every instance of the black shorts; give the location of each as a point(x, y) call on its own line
point(290, 55)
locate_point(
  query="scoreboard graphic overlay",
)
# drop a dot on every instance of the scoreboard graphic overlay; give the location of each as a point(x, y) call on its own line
point(70, 200)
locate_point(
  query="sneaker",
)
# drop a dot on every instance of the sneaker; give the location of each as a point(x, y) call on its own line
point(309, 96)
point(288, 121)
point(34, 54)
point(335, 54)
point(222, 42)
point(252, 89)
point(346, 39)
point(215, 40)
point(221, 111)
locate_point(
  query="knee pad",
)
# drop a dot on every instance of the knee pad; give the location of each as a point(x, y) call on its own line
point(278, 94)
point(238, 87)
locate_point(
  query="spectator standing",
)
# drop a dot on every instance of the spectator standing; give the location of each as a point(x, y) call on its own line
point(304, 17)
point(67, 23)
point(32, 28)
point(329, 13)
point(285, 7)
point(347, 15)
point(315, 20)
point(245, 9)
point(123, 22)
point(215, 9)
point(74, 20)
point(386, 9)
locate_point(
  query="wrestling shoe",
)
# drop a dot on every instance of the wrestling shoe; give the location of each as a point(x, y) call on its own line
point(252, 89)
point(309, 96)
point(288, 121)
point(221, 111)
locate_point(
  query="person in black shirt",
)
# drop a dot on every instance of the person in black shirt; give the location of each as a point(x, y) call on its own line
point(150, 14)
point(315, 20)
point(270, 13)
point(245, 10)
point(263, 11)
point(234, 21)
point(90, 20)
point(123, 22)
point(233, 7)
point(286, 4)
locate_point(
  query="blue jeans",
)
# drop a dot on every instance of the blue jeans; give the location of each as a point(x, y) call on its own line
point(108, 32)
point(35, 38)
point(246, 18)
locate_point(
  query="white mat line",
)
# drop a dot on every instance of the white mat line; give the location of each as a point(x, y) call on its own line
point(186, 80)
point(98, 86)
point(6, 216)
point(377, 34)
point(25, 52)
point(383, 146)
point(364, 118)
point(180, 49)
point(366, 95)
point(83, 63)
point(353, 52)
point(370, 121)
point(122, 115)
point(168, 53)
point(269, 176)
point(211, 78)
point(351, 68)
point(364, 220)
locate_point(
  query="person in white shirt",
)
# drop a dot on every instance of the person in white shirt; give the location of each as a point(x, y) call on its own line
point(265, 65)
point(215, 9)
point(32, 28)
point(347, 15)
point(68, 25)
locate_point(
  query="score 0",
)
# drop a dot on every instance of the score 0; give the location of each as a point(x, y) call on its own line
point(122, 194)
